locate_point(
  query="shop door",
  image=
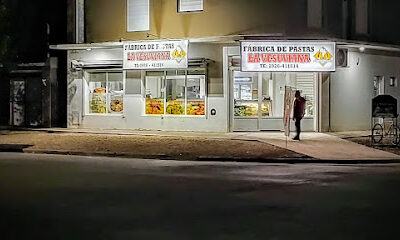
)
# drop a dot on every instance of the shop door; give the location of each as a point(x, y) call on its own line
point(17, 102)
point(257, 99)
point(250, 101)
point(26, 102)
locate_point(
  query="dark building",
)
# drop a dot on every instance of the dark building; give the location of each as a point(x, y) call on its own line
point(32, 95)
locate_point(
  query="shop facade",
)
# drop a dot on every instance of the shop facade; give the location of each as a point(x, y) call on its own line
point(216, 91)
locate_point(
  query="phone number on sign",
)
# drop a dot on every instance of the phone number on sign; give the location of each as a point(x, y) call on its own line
point(279, 65)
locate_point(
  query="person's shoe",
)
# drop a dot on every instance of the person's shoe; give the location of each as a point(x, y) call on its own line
point(296, 138)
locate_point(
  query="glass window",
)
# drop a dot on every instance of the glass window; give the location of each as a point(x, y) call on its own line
point(138, 15)
point(304, 82)
point(154, 94)
point(176, 95)
point(97, 93)
point(262, 94)
point(115, 92)
point(245, 90)
point(190, 5)
point(133, 82)
point(105, 92)
point(196, 95)
point(266, 85)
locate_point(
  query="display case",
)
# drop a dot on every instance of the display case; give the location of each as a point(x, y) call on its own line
point(266, 108)
point(249, 108)
point(246, 108)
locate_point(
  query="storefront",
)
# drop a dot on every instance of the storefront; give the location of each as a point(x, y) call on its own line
point(259, 72)
point(150, 85)
point(219, 87)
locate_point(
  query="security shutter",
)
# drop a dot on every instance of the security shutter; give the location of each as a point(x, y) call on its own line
point(138, 15)
point(190, 5)
point(305, 83)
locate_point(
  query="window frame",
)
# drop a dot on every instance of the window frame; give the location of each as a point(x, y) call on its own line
point(127, 18)
point(86, 97)
point(178, 9)
point(164, 78)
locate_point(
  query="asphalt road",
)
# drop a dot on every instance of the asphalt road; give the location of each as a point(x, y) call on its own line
point(72, 197)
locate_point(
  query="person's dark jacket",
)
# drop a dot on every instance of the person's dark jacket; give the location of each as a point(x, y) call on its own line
point(299, 108)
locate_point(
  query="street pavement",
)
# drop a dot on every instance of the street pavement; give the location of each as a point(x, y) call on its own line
point(75, 197)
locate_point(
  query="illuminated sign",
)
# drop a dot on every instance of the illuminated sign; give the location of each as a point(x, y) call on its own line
point(156, 54)
point(286, 56)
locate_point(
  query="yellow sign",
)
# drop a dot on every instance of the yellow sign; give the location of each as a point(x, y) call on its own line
point(178, 54)
point(323, 56)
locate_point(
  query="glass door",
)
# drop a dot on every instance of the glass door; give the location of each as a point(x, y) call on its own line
point(257, 99)
point(246, 102)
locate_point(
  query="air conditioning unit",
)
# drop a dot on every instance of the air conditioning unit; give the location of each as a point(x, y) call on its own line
point(341, 57)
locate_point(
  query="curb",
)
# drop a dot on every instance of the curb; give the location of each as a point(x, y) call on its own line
point(300, 160)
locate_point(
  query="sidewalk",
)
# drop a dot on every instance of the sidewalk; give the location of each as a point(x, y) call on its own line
point(237, 146)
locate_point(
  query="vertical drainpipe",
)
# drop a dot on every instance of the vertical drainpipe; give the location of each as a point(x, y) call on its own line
point(79, 21)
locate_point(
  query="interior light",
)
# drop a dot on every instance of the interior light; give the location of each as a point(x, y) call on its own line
point(362, 49)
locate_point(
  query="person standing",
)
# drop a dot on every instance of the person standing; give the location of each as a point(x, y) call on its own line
point(298, 112)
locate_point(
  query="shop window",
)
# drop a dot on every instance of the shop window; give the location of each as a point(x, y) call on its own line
point(175, 93)
point(133, 82)
point(196, 96)
point(245, 95)
point(190, 5)
point(104, 92)
point(262, 94)
point(138, 15)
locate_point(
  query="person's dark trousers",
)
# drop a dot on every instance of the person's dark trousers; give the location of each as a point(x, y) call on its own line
point(298, 129)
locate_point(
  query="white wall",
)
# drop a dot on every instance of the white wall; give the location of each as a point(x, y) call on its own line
point(352, 89)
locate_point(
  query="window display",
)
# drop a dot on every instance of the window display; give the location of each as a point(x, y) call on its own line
point(115, 92)
point(105, 92)
point(245, 108)
point(154, 94)
point(261, 94)
point(175, 93)
point(195, 95)
point(246, 98)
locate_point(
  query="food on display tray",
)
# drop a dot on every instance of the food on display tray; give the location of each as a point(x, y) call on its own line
point(98, 103)
point(154, 106)
point(195, 108)
point(99, 90)
point(175, 107)
point(116, 105)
